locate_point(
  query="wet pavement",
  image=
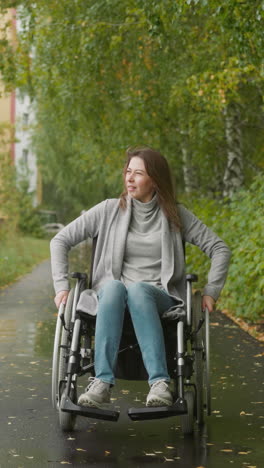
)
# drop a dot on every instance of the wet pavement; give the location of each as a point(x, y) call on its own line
point(29, 432)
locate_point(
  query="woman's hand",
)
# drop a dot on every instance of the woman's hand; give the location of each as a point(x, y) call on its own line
point(208, 302)
point(61, 298)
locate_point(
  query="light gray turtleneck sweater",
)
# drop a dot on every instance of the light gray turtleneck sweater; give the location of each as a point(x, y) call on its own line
point(142, 255)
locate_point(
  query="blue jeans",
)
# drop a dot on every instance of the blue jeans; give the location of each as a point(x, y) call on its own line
point(145, 304)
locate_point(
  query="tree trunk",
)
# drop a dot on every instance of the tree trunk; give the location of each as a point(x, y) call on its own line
point(234, 172)
point(188, 176)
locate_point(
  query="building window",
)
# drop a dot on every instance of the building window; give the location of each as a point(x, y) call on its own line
point(25, 157)
point(25, 118)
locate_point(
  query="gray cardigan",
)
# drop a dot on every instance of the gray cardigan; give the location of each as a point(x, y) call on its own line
point(109, 223)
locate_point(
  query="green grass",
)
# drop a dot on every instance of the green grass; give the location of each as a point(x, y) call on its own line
point(18, 255)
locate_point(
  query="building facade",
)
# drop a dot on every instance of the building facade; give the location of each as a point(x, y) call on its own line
point(16, 121)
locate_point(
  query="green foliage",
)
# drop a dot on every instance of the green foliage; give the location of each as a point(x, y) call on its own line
point(16, 211)
point(245, 287)
point(28, 220)
point(8, 192)
point(240, 224)
point(107, 75)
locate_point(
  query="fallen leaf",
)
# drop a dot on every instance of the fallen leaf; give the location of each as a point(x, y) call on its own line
point(226, 450)
point(244, 453)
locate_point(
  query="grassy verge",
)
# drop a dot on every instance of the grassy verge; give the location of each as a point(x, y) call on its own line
point(18, 255)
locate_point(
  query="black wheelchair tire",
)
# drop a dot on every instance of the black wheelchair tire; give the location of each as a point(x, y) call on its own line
point(67, 420)
point(199, 357)
point(187, 420)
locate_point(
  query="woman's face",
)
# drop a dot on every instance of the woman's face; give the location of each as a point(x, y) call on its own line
point(138, 183)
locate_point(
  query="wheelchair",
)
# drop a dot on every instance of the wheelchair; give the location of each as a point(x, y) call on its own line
point(187, 351)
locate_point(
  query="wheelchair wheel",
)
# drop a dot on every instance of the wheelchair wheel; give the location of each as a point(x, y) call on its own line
point(187, 420)
point(206, 338)
point(67, 420)
point(199, 357)
point(55, 360)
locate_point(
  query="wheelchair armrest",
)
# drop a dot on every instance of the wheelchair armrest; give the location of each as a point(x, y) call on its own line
point(80, 276)
point(192, 278)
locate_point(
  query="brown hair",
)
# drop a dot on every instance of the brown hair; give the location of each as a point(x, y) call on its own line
point(158, 169)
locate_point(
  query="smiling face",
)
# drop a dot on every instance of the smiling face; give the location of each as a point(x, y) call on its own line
point(138, 183)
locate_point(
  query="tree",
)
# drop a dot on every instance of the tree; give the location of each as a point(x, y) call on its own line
point(177, 75)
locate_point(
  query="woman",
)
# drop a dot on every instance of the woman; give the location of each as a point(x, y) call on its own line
point(139, 264)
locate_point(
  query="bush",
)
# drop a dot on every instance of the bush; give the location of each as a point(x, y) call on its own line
point(29, 222)
point(245, 286)
point(240, 224)
point(9, 198)
point(16, 210)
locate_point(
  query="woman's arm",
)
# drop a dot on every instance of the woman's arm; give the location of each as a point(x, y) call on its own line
point(82, 228)
point(197, 233)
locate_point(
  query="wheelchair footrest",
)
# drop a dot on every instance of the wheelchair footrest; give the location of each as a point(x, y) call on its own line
point(69, 407)
point(158, 412)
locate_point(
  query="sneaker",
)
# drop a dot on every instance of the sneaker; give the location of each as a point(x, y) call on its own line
point(160, 394)
point(96, 394)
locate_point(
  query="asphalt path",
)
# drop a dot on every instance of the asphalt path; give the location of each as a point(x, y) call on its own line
point(29, 431)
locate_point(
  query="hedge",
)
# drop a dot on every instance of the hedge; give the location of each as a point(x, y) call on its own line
point(239, 222)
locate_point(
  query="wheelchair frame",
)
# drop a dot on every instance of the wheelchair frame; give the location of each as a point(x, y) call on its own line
point(73, 357)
